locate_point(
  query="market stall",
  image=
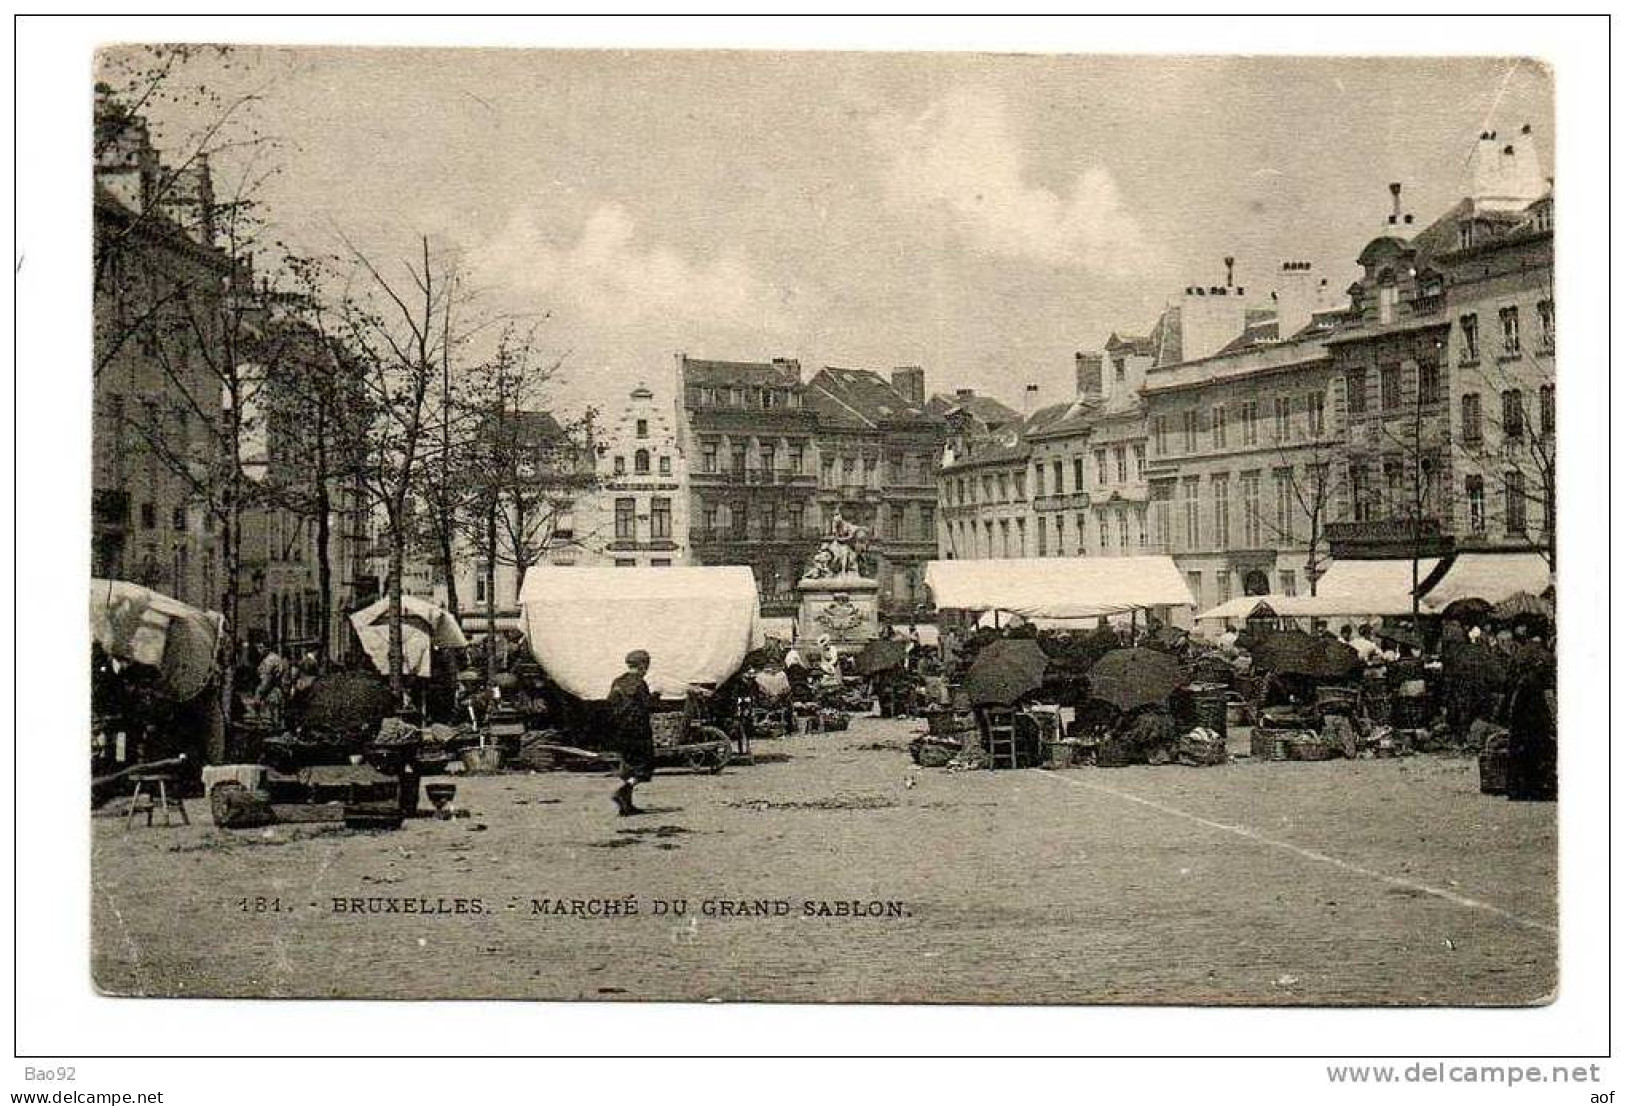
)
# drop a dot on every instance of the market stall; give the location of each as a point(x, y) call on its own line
point(1060, 588)
point(136, 625)
point(1377, 587)
point(696, 623)
point(1492, 577)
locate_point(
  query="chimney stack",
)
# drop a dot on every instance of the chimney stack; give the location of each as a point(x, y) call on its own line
point(789, 367)
point(1029, 400)
point(1393, 189)
point(909, 382)
point(1091, 374)
point(1229, 272)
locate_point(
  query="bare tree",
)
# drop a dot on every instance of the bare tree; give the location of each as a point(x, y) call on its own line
point(400, 346)
point(1309, 475)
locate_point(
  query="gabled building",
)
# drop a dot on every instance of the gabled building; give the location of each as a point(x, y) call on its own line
point(643, 499)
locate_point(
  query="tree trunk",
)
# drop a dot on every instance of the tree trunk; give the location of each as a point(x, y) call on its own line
point(447, 564)
point(397, 649)
point(491, 592)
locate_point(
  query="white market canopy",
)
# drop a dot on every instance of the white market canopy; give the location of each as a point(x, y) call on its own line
point(424, 627)
point(697, 624)
point(1058, 587)
point(1309, 606)
point(1491, 577)
point(1379, 587)
point(136, 625)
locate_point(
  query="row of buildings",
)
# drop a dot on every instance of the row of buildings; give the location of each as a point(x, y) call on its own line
point(1256, 438)
point(1252, 435)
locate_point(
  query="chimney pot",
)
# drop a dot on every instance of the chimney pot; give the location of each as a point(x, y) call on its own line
point(1527, 129)
point(1229, 271)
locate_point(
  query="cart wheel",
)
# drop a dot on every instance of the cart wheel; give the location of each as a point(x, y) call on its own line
point(720, 758)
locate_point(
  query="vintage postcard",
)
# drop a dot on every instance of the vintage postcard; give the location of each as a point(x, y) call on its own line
point(823, 527)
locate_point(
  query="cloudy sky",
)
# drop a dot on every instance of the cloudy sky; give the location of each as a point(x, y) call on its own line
point(983, 216)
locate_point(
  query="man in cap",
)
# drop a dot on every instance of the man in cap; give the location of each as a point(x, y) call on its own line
point(630, 705)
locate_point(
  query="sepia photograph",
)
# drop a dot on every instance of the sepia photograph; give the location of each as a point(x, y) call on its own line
point(724, 526)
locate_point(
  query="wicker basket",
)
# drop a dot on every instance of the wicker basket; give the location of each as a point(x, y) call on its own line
point(1308, 746)
point(1492, 772)
point(1115, 753)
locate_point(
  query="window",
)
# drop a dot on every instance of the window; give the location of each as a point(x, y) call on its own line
point(1078, 481)
point(928, 522)
point(738, 459)
point(1082, 523)
point(1194, 581)
point(1120, 463)
point(1283, 418)
point(1139, 522)
point(1474, 488)
point(1464, 234)
point(1221, 510)
point(1516, 505)
point(480, 593)
point(1122, 530)
point(1468, 327)
point(665, 466)
point(1249, 422)
point(1391, 387)
point(1223, 580)
point(1193, 518)
point(1548, 323)
point(1021, 537)
point(871, 472)
point(659, 562)
point(1038, 478)
point(1315, 404)
point(1387, 300)
point(1218, 426)
point(894, 523)
point(1004, 537)
point(1548, 410)
point(1188, 421)
point(640, 462)
point(1004, 488)
point(737, 522)
point(827, 472)
point(1021, 486)
point(797, 457)
point(1139, 463)
point(1043, 537)
point(149, 516)
point(1512, 414)
point(1510, 346)
point(708, 457)
point(1252, 536)
point(894, 467)
point(626, 562)
point(1159, 437)
point(1162, 519)
point(1289, 581)
point(848, 468)
point(564, 526)
point(769, 460)
point(1359, 492)
point(620, 465)
point(1060, 478)
point(1472, 425)
point(625, 519)
point(1355, 382)
point(1393, 482)
point(1283, 504)
point(1119, 368)
point(643, 428)
point(795, 513)
point(1102, 477)
point(660, 518)
point(1427, 382)
point(177, 519)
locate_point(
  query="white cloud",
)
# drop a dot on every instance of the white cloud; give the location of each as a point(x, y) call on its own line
point(960, 159)
point(609, 276)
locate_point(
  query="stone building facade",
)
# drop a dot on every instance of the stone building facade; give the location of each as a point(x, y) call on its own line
point(643, 493)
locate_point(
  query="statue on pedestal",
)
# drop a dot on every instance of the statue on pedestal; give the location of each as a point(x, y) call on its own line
point(843, 552)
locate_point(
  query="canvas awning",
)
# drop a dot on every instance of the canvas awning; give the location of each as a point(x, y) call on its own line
point(1058, 587)
point(1491, 577)
point(137, 625)
point(1377, 587)
point(697, 624)
point(1242, 606)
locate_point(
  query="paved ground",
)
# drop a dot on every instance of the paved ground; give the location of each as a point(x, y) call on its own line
point(1339, 882)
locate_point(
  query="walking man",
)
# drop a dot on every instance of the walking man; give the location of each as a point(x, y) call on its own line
point(630, 705)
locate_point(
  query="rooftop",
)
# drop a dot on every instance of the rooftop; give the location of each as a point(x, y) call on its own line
point(861, 399)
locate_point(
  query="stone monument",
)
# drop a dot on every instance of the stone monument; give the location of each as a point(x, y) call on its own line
point(839, 599)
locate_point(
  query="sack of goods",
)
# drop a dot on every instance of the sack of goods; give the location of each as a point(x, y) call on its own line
point(236, 807)
point(1202, 748)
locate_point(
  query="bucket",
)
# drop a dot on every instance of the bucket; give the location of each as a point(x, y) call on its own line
point(482, 759)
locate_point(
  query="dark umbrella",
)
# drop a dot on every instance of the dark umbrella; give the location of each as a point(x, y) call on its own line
point(1470, 611)
point(347, 702)
point(1133, 678)
point(1295, 653)
point(880, 656)
point(1004, 671)
point(1335, 660)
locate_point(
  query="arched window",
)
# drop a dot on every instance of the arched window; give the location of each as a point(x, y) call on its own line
point(640, 462)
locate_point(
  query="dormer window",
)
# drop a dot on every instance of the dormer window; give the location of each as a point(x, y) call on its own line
point(1464, 235)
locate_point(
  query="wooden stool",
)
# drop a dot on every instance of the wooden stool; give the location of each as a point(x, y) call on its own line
point(1001, 737)
point(160, 800)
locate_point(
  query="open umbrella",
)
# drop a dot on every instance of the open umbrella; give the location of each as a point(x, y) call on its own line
point(880, 656)
point(1522, 604)
point(1004, 671)
point(1295, 653)
point(344, 702)
point(1469, 611)
point(1132, 678)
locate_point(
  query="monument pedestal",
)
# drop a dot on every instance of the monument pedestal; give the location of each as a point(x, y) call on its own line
point(846, 609)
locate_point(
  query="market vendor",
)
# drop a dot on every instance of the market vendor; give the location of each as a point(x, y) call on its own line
point(631, 704)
